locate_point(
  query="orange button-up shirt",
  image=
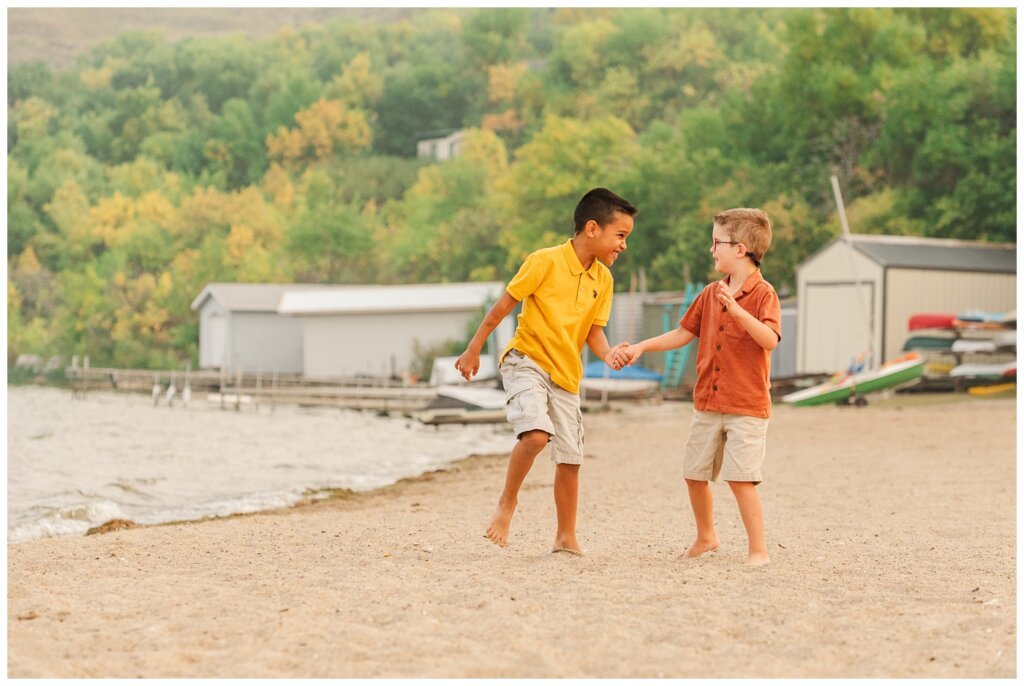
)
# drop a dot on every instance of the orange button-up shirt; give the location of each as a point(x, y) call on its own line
point(732, 368)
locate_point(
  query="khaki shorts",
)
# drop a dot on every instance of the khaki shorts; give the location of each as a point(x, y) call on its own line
point(728, 443)
point(533, 402)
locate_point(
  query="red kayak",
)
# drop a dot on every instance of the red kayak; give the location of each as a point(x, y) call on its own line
point(931, 321)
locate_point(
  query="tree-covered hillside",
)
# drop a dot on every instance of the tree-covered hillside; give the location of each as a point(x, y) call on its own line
point(149, 169)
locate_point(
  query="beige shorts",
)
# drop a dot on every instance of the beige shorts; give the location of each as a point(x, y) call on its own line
point(534, 402)
point(730, 444)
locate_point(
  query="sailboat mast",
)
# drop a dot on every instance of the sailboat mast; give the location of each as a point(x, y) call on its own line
point(872, 361)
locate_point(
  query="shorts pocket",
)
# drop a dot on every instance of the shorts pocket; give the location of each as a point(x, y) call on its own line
point(520, 405)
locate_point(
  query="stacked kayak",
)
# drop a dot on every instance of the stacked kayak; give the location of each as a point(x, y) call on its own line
point(931, 321)
point(968, 348)
point(992, 371)
point(901, 371)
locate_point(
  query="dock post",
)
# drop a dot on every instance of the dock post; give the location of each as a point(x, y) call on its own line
point(273, 392)
point(74, 375)
point(85, 377)
point(238, 387)
point(259, 388)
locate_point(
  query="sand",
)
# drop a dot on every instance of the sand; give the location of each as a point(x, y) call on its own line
point(891, 529)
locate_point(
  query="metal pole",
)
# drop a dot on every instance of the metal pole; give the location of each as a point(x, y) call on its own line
point(871, 364)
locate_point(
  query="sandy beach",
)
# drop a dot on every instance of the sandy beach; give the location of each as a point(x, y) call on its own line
point(892, 531)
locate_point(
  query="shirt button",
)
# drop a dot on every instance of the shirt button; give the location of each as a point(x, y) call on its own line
point(718, 347)
point(714, 388)
point(721, 328)
point(718, 369)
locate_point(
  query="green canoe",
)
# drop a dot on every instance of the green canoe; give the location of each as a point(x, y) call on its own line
point(894, 373)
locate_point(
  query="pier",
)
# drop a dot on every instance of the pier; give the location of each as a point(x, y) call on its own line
point(255, 389)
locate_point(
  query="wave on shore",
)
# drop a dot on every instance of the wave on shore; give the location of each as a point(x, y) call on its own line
point(75, 464)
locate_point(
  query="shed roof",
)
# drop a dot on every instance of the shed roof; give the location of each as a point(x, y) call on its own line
point(253, 297)
point(915, 252)
point(440, 297)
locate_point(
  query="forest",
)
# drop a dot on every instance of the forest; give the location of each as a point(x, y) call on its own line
point(148, 169)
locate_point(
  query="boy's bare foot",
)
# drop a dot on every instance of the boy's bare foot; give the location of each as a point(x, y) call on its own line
point(497, 528)
point(700, 546)
point(757, 559)
point(567, 545)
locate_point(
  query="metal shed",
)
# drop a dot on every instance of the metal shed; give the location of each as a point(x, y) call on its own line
point(239, 326)
point(377, 330)
point(859, 295)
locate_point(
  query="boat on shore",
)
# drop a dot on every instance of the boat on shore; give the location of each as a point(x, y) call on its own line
point(600, 380)
point(896, 373)
point(464, 405)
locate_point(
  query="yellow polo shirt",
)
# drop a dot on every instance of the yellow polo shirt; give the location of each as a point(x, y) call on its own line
point(561, 301)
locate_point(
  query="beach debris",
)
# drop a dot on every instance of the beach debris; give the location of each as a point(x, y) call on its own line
point(781, 546)
point(28, 615)
point(993, 601)
point(975, 589)
point(112, 525)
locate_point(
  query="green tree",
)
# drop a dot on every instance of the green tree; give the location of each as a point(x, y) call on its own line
point(566, 158)
point(331, 240)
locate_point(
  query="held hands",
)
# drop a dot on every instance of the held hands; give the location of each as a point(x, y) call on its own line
point(623, 355)
point(611, 359)
point(468, 364)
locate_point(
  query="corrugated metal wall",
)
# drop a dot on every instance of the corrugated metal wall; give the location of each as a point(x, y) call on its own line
point(264, 341)
point(346, 345)
point(916, 291)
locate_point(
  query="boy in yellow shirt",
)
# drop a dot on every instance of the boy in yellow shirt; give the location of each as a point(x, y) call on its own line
point(567, 297)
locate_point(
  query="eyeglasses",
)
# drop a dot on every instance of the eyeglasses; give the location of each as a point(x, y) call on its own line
point(715, 243)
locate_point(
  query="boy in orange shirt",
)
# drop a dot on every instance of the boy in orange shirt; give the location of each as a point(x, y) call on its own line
point(567, 297)
point(737, 321)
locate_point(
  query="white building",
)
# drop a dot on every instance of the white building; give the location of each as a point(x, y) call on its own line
point(239, 326)
point(443, 148)
point(857, 296)
point(377, 330)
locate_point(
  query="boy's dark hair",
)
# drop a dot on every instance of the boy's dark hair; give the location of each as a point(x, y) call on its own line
point(600, 204)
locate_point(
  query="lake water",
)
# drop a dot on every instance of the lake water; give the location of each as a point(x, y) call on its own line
point(74, 464)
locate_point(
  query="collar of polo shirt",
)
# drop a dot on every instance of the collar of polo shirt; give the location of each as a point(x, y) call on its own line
point(575, 266)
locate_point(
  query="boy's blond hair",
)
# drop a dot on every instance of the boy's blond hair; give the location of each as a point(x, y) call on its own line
point(750, 226)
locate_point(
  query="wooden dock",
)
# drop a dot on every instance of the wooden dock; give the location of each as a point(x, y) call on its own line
point(256, 390)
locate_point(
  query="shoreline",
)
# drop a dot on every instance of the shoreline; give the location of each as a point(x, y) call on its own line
point(333, 497)
point(75, 466)
point(870, 574)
